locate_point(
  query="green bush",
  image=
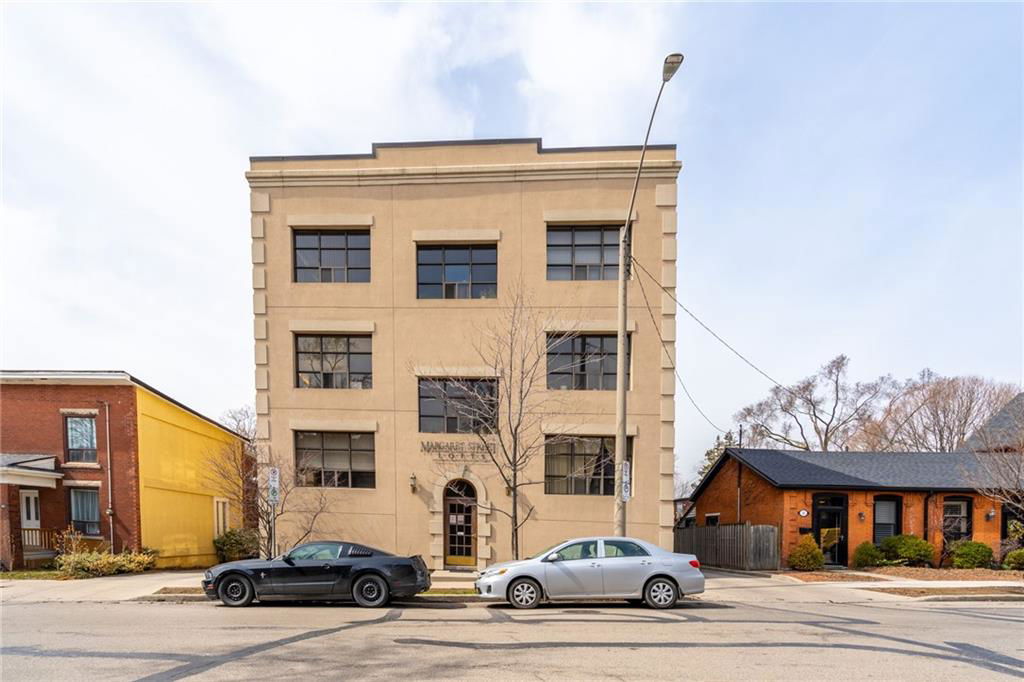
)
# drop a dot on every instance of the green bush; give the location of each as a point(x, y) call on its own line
point(806, 556)
point(237, 543)
point(912, 550)
point(867, 555)
point(972, 555)
point(95, 564)
point(1014, 560)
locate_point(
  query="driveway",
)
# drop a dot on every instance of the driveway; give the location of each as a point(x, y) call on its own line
point(110, 588)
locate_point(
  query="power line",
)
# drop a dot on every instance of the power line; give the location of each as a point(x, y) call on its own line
point(708, 329)
point(671, 360)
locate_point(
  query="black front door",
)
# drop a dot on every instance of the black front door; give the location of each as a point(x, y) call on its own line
point(830, 527)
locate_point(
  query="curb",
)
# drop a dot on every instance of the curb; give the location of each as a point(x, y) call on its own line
point(176, 598)
point(976, 597)
point(430, 599)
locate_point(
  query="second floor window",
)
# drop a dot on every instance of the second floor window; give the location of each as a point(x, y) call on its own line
point(457, 271)
point(457, 405)
point(332, 256)
point(81, 439)
point(582, 465)
point(583, 252)
point(332, 459)
point(584, 362)
point(333, 361)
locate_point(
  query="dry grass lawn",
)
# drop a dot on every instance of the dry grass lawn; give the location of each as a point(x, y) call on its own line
point(952, 591)
point(923, 573)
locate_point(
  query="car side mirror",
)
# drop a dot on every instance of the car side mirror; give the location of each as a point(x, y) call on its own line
point(554, 556)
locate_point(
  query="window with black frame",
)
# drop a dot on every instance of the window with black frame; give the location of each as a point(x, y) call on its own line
point(331, 255)
point(457, 271)
point(956, 519)
point(582, 465)
point(887, 514)
point(85, 510)
point(334, 459)
point(584, 362)
point(333, 361)
point(458, 405)
point(80, 438)
point(583, 253)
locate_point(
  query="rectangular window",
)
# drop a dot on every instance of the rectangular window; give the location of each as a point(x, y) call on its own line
point(331, 255)
point(333, 361)
point(330, 459)
point(221, 519)
point(458, 405)
point(956, 519)
point(582, 465)
point(590, 252)
point(711, 519)
point(85, 511)
point(81, 439)
point(585, 362)
point(887, 521)
point(457, 271)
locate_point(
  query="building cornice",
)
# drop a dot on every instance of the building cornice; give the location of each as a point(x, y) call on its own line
point(414, 175)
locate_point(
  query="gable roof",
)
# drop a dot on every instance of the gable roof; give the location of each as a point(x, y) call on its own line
point(1002, 430)
point(948, 471)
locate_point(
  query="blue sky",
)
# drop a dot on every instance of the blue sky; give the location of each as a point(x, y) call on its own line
point(852, 173)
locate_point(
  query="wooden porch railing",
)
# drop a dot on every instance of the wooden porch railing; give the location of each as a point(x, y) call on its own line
point(36, 539)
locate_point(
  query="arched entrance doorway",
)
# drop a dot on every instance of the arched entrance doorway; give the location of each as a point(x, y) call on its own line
point(460, 524)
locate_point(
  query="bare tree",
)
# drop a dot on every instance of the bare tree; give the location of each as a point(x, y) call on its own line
point(997, 457)
point(505, 408)
point(822, 412)
point(933, 413)
point(240, 475)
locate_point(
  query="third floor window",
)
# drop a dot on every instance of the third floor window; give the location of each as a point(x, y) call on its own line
point(332, 256)
point(590, 252)
point(457, 271)
point(333, 361)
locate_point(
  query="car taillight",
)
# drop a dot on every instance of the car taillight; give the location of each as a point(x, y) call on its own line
point(694, 563)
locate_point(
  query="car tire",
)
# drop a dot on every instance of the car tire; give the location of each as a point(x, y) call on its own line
point(524, 593)
point(371, 591)
point(235, 590)
point(661, 593)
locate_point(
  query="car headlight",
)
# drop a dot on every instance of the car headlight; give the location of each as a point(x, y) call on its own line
point(208, 575)
point(491, 574)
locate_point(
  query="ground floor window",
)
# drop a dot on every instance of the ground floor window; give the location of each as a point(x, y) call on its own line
point(711, 519)
point(582, 465)
point(330, 459)
point(85, 511)
point(956, 519)
point(886, 517)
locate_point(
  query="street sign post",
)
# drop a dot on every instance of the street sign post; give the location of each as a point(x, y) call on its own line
point(273, 485)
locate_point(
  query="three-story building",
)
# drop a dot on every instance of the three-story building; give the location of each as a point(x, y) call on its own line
point(373, 276)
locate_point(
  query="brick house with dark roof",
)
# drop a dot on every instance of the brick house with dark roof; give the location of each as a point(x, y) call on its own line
point(851, 496)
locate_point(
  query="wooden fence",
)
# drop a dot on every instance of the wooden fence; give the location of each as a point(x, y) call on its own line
point(738, 545)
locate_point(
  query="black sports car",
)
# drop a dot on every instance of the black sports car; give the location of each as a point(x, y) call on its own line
point(319, 570)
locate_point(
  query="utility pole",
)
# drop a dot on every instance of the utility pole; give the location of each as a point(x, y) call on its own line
point(671, 65)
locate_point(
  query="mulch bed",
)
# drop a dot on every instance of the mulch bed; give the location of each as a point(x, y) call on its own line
point(930, 591)
point(924, 573)
point(826, 576)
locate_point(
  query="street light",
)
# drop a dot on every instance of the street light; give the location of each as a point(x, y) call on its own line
point(671, 65)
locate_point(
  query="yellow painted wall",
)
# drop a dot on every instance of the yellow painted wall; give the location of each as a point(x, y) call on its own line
point(176, 503)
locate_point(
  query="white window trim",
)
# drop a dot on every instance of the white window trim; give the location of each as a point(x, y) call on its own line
point(227, 515)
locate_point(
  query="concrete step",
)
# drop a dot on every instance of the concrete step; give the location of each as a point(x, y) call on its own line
point(450, 580)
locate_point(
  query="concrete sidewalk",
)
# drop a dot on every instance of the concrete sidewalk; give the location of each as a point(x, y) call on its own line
point(110, 588)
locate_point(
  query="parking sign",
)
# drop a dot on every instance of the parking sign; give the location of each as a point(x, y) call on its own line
point(273, 485)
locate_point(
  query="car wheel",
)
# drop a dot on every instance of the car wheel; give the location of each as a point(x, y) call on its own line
point(524, 593)
point(661, 593)
point(370, 591)
point(234, 590)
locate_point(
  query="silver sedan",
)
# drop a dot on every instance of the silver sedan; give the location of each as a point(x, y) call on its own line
point(595, 568)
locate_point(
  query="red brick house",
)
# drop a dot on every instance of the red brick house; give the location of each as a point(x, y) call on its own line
point(850, 496)
point(111, 457)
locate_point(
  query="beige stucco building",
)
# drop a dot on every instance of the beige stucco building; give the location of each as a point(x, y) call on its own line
point(372, 276)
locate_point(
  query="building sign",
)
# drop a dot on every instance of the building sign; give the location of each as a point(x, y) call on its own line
point(455, 451)
point(626, 492)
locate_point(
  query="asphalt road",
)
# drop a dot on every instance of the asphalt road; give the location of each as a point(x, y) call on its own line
point(703, 640)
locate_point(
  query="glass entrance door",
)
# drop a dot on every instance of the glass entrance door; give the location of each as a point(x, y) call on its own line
point(830, 527)
point(460, 524)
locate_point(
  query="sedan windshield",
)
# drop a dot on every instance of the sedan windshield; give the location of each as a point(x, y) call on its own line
point(547, 551)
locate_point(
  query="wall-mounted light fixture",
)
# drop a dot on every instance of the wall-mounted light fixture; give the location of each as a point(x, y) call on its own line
point(412, 482)
point(861, 516)
point(990, 514)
